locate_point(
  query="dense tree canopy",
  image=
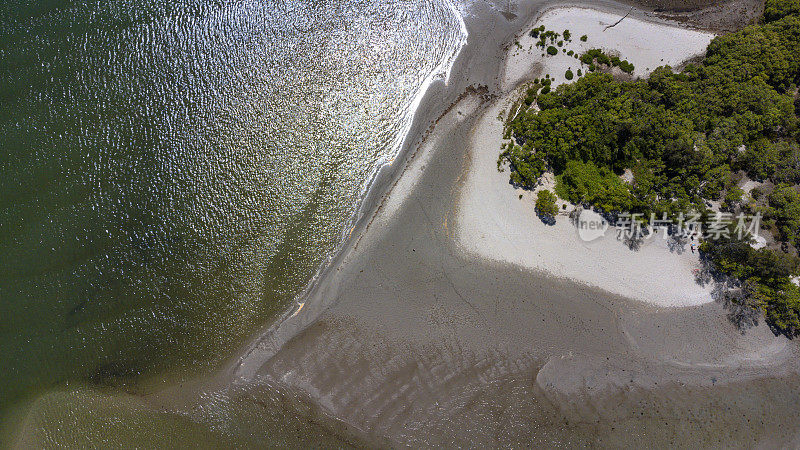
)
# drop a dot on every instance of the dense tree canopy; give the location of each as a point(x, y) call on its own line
point(776, 9)
point(683, 135)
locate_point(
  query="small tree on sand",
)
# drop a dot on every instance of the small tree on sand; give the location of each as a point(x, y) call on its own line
point(546, 206)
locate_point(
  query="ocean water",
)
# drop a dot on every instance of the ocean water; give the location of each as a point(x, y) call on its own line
point(174, 172)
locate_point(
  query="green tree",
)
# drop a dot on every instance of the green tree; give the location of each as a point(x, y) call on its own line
point(784, 208)
point(733, 198)
point(586, 183)
point(546, 205)
point(778, 9)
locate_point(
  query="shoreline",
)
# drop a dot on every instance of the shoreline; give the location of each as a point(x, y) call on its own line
point(402, 338)
point(342, 310)
point(379, 187)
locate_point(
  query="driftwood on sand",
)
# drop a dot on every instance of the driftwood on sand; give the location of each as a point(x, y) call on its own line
point(620, 20)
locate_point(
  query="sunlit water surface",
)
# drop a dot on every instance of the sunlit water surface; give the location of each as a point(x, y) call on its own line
point(174, 172)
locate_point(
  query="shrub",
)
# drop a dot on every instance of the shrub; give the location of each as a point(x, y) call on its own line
point(566, 35)
point(569, 75)
point(584, 38)
point(546, 204)
point(626, 67)
point(551, 50)
point(530, 94)
point(597, 56)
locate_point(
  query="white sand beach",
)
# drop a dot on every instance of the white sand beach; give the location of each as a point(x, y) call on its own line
point(493, 222)
point(647, 45)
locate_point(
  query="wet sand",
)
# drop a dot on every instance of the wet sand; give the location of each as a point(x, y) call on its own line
point(413, 341)
point(406, 338)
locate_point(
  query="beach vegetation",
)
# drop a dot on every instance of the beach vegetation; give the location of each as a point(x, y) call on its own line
point(733, 198)
point(546, 37)
point(546, 206)
point(778, 9)
point(596, 56)
point(531, 93)
point(757, 280)
point(784, 210)
point(585, 183)
point(683, 135)
point(537, 31)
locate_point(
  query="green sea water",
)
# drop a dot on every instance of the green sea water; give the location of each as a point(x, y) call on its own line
point(173, 173)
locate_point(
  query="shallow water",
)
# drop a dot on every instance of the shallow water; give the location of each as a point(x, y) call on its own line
point(174, 172)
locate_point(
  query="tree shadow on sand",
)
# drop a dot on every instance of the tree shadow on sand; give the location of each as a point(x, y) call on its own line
point(736, 297)
point(546, 219)
point(633, 241)
point(676, 242)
